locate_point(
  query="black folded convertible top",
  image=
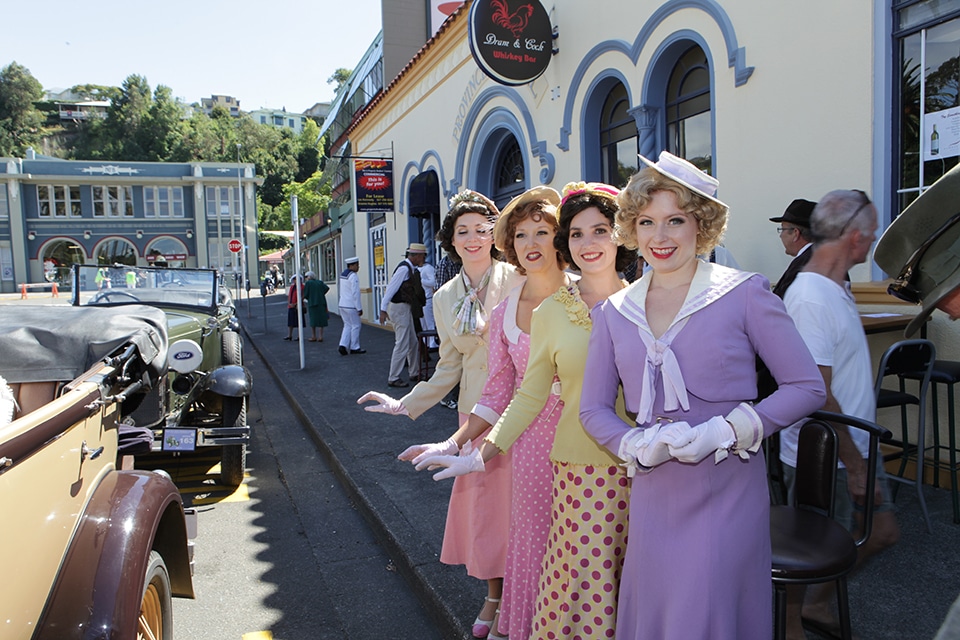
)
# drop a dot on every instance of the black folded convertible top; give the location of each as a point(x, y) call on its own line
point(45, 343)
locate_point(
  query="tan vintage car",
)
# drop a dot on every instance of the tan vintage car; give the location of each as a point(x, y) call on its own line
point(90, 549)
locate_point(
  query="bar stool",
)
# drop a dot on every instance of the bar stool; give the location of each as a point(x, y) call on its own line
point(908, 359)
point(947, 373)
point(427, 339)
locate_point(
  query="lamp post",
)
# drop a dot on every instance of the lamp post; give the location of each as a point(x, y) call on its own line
point(243, 239)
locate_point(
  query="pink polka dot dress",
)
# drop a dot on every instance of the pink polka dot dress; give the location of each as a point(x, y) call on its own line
point(532, 469)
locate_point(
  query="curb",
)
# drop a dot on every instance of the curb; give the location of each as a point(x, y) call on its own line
point(391, 530)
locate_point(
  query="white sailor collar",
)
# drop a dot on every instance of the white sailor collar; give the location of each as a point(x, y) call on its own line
point(710, 283)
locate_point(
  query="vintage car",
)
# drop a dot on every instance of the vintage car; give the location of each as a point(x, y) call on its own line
point(201, 401)
point(91, 547)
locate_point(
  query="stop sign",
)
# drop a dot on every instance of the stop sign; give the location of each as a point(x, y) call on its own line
point(235, 246)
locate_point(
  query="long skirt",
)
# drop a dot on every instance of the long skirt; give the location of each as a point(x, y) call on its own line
point(579, 582)
point(478, 518)
point(529, 523)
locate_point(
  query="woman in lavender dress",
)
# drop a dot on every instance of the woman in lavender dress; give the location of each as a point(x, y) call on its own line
point(681, 343)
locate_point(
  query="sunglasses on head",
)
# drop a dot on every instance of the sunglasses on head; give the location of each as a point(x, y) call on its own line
point(864, 202)
point(904, 287)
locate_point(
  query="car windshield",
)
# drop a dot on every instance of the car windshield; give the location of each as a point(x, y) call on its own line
point(121, 284)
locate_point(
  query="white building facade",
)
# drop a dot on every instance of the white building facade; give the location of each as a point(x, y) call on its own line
point(777, 101)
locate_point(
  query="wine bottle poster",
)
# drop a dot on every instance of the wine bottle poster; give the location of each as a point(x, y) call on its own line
point(941, 137)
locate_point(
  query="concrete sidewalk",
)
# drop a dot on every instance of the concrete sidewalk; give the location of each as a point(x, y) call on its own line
point(904, 593)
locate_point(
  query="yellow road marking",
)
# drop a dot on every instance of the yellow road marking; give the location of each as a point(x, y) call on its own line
point(197, 477)
point(257, 635)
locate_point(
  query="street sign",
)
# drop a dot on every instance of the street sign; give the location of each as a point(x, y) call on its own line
point(235, 245)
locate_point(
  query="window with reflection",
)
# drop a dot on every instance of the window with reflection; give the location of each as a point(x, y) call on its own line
point(116, 251)
point(166, 249)
point(510, 173)
point(928, 50)
point(58, 256)
point(618, 138)
point(58, 201)
point(689, 125)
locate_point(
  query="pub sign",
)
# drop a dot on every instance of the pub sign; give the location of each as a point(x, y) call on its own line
point(511, 40)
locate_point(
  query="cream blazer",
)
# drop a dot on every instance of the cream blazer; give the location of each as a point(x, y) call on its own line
point(463, 358)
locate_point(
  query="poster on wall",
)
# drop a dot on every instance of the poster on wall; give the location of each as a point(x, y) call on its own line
point(942, 134)
point(374, 185)
point(511, 40)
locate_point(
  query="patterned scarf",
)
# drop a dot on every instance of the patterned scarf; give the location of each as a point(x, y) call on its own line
point(469, 312)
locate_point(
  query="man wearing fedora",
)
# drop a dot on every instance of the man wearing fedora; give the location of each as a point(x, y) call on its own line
point(844, 224)
point(794, 232)
point(402, 304)
point(921, 249)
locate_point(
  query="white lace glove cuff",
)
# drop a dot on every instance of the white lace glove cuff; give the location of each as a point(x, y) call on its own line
point(748, 428)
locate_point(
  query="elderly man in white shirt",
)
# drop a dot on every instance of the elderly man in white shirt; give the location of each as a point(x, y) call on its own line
point(406, 348)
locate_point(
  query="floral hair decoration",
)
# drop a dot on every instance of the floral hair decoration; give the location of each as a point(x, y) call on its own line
point(468, 195)
point(590, 188)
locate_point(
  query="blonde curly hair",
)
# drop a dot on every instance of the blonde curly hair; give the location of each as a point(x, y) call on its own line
point(711, 216)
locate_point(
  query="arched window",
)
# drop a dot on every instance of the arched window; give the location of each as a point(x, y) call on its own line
point(169, 250)
point(116, 251)
point(618, 138)
point(689, 124)
point(58, 256)
point(510, 176)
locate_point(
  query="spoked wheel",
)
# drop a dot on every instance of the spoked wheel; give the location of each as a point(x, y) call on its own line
point(156, 607)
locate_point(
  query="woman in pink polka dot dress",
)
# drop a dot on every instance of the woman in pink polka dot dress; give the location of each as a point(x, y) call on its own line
point(524, 235)
point(579, 577)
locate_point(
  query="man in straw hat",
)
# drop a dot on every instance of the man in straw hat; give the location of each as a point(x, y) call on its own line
point(402, 304)
point(844, 225)
point(921, 249)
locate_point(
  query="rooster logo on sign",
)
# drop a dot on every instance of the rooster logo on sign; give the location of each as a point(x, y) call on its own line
point(515, 22)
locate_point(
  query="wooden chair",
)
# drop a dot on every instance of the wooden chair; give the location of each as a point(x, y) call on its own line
point(808, 546)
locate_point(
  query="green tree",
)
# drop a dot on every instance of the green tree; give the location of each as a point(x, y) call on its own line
point(339, 78)
point(96, 92)
point(160, 135)
point(20, 121)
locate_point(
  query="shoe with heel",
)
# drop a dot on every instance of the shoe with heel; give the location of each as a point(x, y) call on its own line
point(495, 628)
point(481, 628)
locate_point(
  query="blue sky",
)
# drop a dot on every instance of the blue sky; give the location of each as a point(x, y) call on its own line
point(266, 54)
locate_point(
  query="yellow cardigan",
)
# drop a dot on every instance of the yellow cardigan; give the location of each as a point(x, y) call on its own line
point(463, 358)
point(559, 333)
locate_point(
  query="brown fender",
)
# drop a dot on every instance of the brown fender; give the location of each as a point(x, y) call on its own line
point(97, 594)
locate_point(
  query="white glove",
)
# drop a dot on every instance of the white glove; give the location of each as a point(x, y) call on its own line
point(714, 436)
point(386, 404)
point(468, 461)
point(649, 447)
point(418, 452)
